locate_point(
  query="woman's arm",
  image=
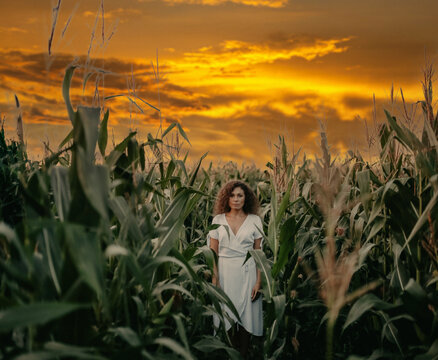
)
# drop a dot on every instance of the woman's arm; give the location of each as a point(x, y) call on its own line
point(214, 245)
point(258, 284)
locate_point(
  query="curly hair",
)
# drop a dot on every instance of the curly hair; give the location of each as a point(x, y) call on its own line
point(251, 205)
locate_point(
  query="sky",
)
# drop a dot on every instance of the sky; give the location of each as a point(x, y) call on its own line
point(235, 74)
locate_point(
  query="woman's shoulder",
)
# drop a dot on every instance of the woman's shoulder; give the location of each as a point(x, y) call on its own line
point(217, 219)
point(254, 217)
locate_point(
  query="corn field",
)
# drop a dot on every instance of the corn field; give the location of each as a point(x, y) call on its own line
point(103, 252)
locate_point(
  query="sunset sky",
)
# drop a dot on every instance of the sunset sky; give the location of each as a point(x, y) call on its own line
point(235, 74)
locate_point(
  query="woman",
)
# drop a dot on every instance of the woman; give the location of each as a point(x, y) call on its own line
point(240, 230)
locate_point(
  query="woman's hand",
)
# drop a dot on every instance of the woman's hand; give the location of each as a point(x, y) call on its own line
point(255, 291)
point(216, 282)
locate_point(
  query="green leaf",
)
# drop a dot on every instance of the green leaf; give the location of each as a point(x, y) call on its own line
point(75, 351)
point(170, 168)
point(405, 136)
point(53, 256)
point(182, 166)
point(175, 347)
point(8, 232)
point(432, 353)
point(66, 91)
point(11, 236)
point(263, 265)
point(416, 302)
point(159, 288)
point(142, 158)
point(133, 152)
point(68, 138)
point(59, 179)
point(95, 183)
point(169, 128)
point(182, 132)
point(293, 279)
point(423, 218)
point(131, 263)
point(55, 350)
point(195, 170)
point(399, 277)
point(363, 179)
point(128, 335)
point(116, 250)
point(431, 135)
point(34, 314)
point(377, 354)
point(358, 227)
point(172, 221)
point(124, 144)
point(287, 241)
point(272, 332)
point(432, 281)
point(86, 253)
point(181, 330)
point(127, 97)
point(390, 331)
point(353, 214)
point(219, 298)
point(378, 225)
point(285, 203)
point(130, 231)
point(364, 304)
point(165, 310)
point(279, 306)
point(86, 130)
point(148, 104)
point(208, 255)
point(212, 343)
point(363, 253)
point(103, 133)
point(86, 77)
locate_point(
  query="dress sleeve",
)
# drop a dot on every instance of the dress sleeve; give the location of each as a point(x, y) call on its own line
point(258, 228)
point(213, 233)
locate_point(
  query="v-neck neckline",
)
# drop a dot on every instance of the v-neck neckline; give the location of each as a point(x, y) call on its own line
point(241, 225)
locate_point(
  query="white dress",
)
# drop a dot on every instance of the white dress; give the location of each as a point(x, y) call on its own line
point(238, 279)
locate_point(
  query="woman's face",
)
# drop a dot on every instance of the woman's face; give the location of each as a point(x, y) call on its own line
point(237, 199)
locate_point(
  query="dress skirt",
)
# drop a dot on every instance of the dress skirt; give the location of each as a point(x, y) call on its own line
point(237, 280)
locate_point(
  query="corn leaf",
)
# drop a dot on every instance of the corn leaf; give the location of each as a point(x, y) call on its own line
point(35, 314)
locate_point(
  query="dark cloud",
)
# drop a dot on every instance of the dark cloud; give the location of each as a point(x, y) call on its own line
point(282, 40)
point(18, 67)
point(170, 120)
point(176, 88)
point(230, 73)
point(222, 98)
point(357, 102)
point(36, 116)
point(38, 67)
point(15, 73)
point(4, 85)
point(184, 104)
point(35, 112)
point(44, 99)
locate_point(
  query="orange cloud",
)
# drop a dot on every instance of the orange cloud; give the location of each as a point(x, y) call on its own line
point(116, 13)
point(12, 30)
point(234, 53)
point(265, 3)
